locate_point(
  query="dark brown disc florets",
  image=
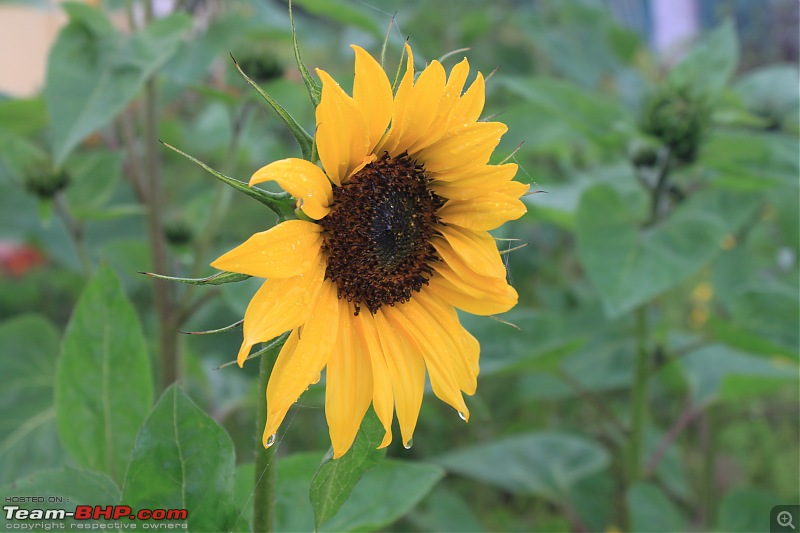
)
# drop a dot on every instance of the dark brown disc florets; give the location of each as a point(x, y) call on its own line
point(377, 235)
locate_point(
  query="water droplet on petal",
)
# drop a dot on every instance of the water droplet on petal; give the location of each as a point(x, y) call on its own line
point(316, 380)
point(462, 416)
point(270, 440)
point(408, 444)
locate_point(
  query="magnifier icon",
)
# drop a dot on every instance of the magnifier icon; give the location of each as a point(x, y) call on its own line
point(785, 519)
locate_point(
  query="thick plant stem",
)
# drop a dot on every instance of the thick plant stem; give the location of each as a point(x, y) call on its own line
point(162, 290)
point(638, 397)
point(266, 476)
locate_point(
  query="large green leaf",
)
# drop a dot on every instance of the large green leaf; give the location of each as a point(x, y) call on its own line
point(444, 510)
point(28, 438)
point(629, 267)
point(335, 479)
point(744, 510)
point(650, 510)
point(72, 486)
point(383, 495)
point(183, 459)
point(712, 61)
point(104, 387)
point(718, 371)
point(93, 71)
point(546, 464)
point(344, 12)
point(93, 177)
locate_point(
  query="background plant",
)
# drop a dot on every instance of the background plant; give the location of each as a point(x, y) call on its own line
point(652, 382)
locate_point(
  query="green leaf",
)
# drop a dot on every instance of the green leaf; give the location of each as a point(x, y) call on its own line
point(711, 63)
point(93, 177)
point(183, 460)
point(629, 267)
point(335, 479)
point(103, 382)
point(545, 464)
point(650, 510)
point(343, 12)
point(444, 510)
point(369, 509)
point(302, 137)
point(711, 373)
point(73, 485)
point(744, 510)
point(215, 279)
point(280, 203)
point(28, 437)
point(23, 116)
point(93, 72)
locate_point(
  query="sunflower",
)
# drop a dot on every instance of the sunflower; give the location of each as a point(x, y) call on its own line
point(393, 236)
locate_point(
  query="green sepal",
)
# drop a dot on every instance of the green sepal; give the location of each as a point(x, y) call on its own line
point(281, 203)
point(217, 279)
point(314, 91)
point(224, 329)
point(301, 135)
point(275, 343)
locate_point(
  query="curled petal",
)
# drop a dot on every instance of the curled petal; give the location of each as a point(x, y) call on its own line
point(474, 248)
point(303, 180)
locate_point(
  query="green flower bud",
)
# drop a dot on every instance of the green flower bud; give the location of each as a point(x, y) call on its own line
point(44, 182)
point(261, 67)
point(643, 152)
point(679, 118)
point(178, 232)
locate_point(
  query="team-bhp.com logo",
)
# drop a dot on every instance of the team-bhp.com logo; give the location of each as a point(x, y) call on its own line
point(96, 512)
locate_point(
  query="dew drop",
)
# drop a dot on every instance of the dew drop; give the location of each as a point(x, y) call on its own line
point(270, 440)
point(408, 444)
point(462, 416)
point(316, 380)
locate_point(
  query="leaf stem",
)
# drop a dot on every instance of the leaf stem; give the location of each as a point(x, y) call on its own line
point(638, 397)
point(75, 231)
point(265, 471)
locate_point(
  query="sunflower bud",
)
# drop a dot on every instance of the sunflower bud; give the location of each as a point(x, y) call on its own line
point(643, 152)
point(178, 232)
point(262, 67)
point(44, 182)
point(679, 118)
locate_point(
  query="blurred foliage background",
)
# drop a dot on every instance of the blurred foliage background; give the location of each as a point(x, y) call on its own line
point(649, 381)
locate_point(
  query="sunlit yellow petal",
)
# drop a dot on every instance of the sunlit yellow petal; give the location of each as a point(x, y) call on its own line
point(425, 97)
point(316, 339)
point(473, 145)
point(451, 94)
point(469, 107)
point(279, 305)
point(289, 249)
point(483, 177)
point(479, 295)
point(303, 180)
point(342, 133)
point(485, 212)
point(407, 370)
point(372, 94)
point(276, 414)
point(402, 101)
point(382, 398)
point(348, 384)
point(474, 248)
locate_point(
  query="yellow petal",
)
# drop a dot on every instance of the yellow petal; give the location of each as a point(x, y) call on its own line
point(316, 338)
point(471, 146)
point(342, 133)
point(405, 319)
point(514, 188)
point(407, 370)
point(382, 399)
point(469, 107)
point(451, 94)
point(482, 213)
point(474, 177)
point(348, 384)
point(424, 102)
point(289, 249)
point(279, 305)
point(474, 248)
point(472, 293)
point(275, 415)
point(402, 101)
point(372, 94)
point(303, 180)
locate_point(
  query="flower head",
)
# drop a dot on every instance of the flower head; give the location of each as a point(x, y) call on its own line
point(397, 239)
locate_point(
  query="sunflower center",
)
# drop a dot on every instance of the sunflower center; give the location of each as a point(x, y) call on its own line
point(377, 235)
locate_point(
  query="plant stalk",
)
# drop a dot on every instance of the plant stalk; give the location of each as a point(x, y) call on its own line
point(638, 397)
point(265, 471)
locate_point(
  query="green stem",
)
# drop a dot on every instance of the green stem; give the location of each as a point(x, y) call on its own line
point(638, 397)
point(75, 232)
point(266, 473)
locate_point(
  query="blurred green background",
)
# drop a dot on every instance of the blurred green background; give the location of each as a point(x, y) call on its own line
point(649, 379)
